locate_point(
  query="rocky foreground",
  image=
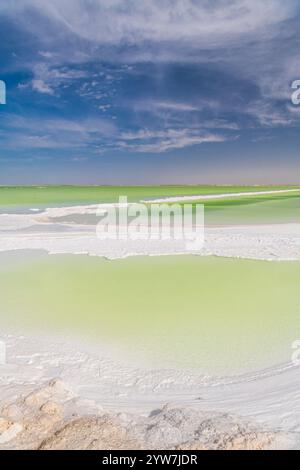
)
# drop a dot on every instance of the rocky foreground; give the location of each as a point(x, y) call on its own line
point(53, 418)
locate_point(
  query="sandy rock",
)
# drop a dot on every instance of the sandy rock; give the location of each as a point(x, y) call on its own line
point(52, 418)
point(12, 412)
point(55, 388)
point(4, 425)
point(51, 408)
point(9, 430)
point(91, 433)
point(35, 416)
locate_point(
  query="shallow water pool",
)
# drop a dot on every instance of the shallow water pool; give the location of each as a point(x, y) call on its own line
point(220, 316)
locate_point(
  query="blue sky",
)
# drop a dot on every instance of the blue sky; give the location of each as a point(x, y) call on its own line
point(143, 92)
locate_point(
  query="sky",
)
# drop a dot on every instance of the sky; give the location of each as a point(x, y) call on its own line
point(149, 92)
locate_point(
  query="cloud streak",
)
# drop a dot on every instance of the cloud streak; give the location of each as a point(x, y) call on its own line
point(59, 134)
point(113, 22)
point(146, 141)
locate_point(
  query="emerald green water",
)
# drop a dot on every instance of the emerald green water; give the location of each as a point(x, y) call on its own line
point(259, 209)
point(267, 209)
point(56, 195)
point(216, 315)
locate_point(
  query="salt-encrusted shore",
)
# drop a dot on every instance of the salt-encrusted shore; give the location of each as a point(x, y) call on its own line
point(261, 242)
point(52, 230)
point(228, 195)
point(279, 242)
point(56, 395)
point(53, 418)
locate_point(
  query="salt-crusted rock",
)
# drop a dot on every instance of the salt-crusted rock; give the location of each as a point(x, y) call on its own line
point(247, 441)
point(187, 428)
point(52, 417)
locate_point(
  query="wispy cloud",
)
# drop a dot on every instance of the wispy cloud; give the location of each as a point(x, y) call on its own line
point(174, 106)
point(161, 20)
point(47, 79)
point(165, 74)
point(61, 134)
point(265, 115)
point(147, 141)
point(41, 86)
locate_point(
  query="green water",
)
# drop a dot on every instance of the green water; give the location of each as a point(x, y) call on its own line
point(254, 210)
point(216, 315)
point(57, 195)
point(261, 209)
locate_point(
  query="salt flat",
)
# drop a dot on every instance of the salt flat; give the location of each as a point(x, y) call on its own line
point(267, 393)
point(263, 242)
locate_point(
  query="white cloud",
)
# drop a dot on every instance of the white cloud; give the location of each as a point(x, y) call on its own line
point(42, 87)
point(240, 38)
point(108, 21)
point(147, 141)
point(42, 133)
point(46, 54)
point(162, 30)
point(176, 106)
point(267, 116)
point(47, 79)
point(177, 111)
